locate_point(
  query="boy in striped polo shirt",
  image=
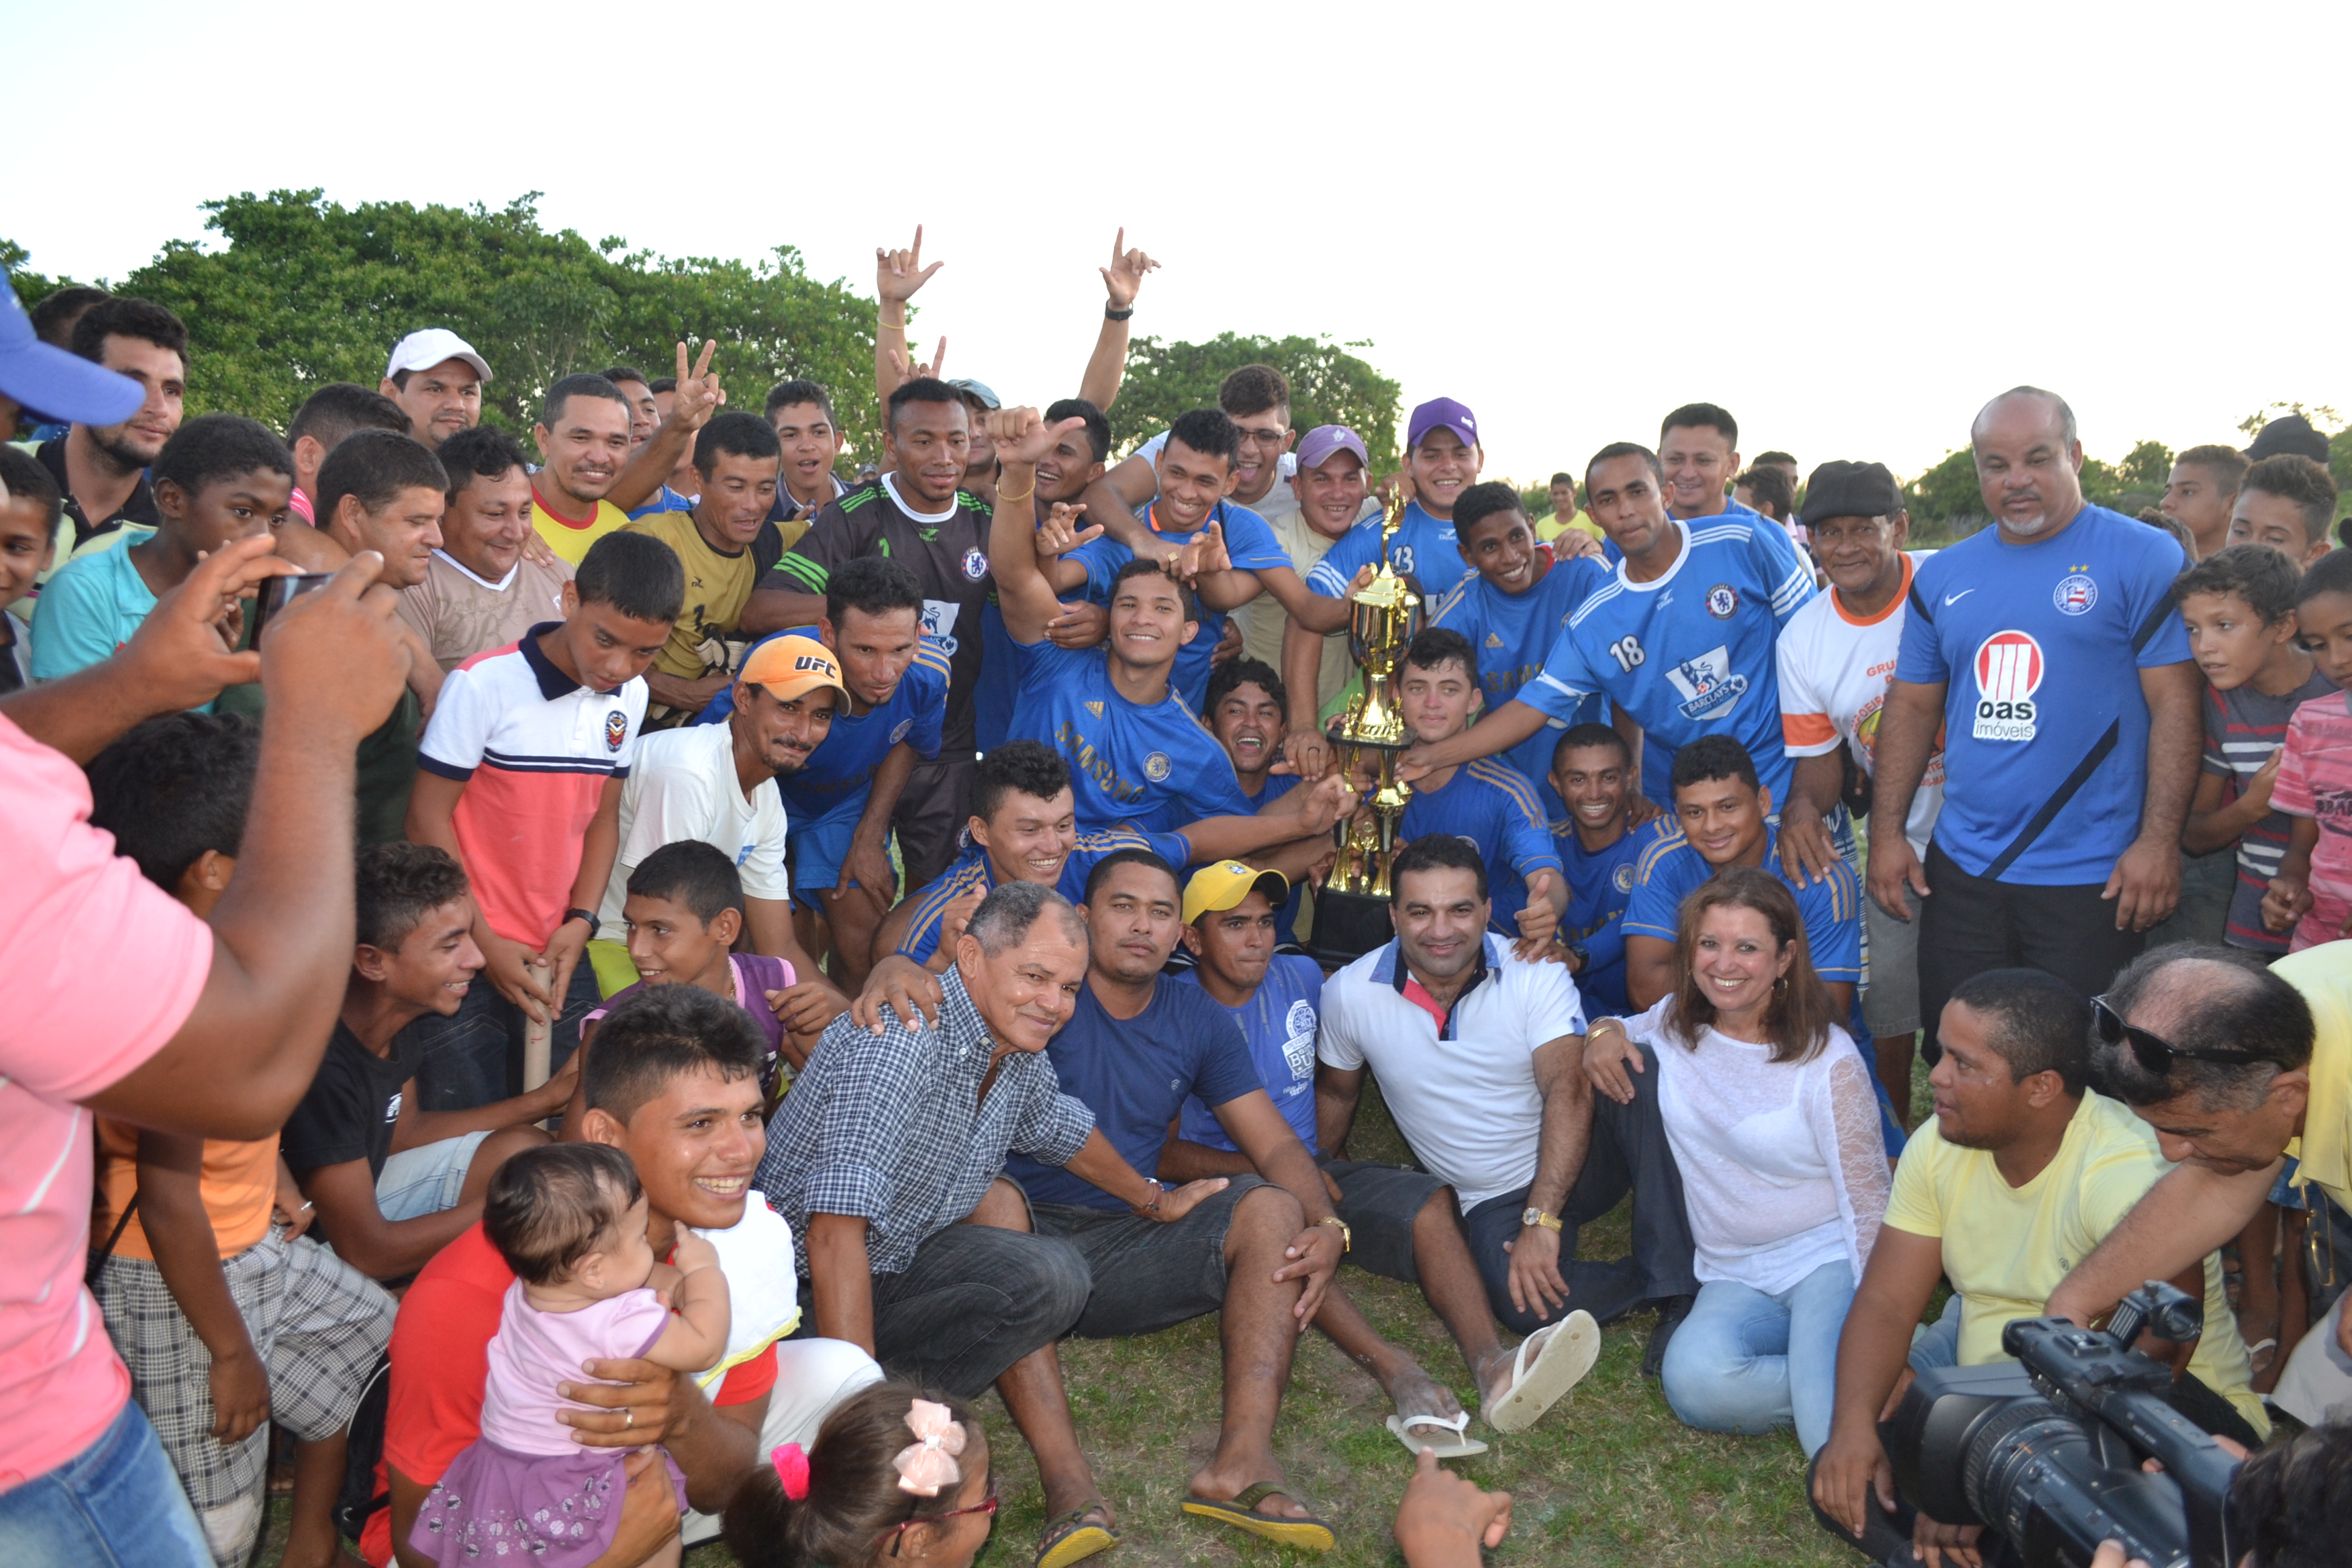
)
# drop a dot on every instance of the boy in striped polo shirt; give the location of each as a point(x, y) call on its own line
point(520, 776)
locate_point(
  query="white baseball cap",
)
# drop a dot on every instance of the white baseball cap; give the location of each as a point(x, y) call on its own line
point(422, 351)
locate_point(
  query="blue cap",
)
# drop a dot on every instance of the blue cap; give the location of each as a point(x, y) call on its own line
point(50, 380)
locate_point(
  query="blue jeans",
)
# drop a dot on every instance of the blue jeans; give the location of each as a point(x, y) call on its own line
point(1938, 1344)
point(1746, 1361)
point(116, 1504)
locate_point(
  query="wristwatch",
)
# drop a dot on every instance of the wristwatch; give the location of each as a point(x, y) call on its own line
point(1159, 1191)
point(1584, 958)
point(1113, 315)
point(1537, 1217)
point(1347, 1237)
point(594, 925)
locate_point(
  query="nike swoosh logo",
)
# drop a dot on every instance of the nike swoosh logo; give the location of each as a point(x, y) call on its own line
point(1951, 599)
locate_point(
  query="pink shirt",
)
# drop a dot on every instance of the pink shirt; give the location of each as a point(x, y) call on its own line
point(76, 923)
point(534, 1351)
point(2314, 780)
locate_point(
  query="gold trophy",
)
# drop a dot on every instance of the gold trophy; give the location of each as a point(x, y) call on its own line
point(1351, 908)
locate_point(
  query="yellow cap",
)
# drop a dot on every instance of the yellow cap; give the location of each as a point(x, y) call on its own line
point(792, 667)
point(1226, 884)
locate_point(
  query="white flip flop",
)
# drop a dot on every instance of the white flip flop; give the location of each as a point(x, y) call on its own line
point(1567, 1353)
point(1461, 1447)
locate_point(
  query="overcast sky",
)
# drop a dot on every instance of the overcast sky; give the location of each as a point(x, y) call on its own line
point(1848, 223)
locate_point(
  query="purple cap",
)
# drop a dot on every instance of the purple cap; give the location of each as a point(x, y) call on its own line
point(1320, 445)
point(1442, 414)
point(51, 382)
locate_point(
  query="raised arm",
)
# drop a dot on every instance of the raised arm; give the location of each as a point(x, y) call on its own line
point(1121, 280)
point(699, 397)
point(332, 665)
point(1023, 591)
point(897, 275)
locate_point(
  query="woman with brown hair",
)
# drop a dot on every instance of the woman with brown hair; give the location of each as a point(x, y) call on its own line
point(1773, 1122)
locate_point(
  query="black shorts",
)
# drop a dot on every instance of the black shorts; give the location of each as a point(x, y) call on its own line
point(1148, 1276)
point(1379, 1203)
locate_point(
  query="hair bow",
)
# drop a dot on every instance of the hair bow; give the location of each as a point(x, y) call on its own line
point(929, 1462)
point(791, 1468)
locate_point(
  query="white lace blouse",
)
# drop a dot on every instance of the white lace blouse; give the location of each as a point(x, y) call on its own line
point(1783, 1164)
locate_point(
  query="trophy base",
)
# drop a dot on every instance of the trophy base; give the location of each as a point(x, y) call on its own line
point(1347, 926)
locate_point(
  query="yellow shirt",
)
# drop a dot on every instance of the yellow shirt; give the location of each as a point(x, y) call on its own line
point(2006, 1248)
point(1549, 527)
point(717, 585)
point(2323, 1153)
point(569, 538)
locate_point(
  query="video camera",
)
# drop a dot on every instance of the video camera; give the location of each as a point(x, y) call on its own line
point(2046, 1453)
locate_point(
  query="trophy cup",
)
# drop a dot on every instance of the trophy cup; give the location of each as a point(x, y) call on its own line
point(1351, 914)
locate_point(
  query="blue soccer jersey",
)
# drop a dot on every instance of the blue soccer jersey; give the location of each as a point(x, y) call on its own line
point(1249, 542)
point(1424, 547)
point(1285, 919)
point(841, 770)
point(1690, 653)
point(1155, 767)
point(1279, 1021)
point(1670, 866)
point(1514, 634)
point(971, 871)
point(1600, 886)
point(1492, 805)
point(2039, 648)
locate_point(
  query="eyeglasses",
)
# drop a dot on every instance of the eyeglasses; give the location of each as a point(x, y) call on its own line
point(986, 1505)
point(2154, 1052)
point(1262, 438)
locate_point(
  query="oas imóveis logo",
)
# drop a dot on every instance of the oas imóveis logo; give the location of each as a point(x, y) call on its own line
point(2008, 670)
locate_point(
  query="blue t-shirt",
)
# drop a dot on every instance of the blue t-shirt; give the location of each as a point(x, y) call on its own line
point(669, 500)
point(1691, 653)
point(1492, 805)
point(1250, 543)
point(992, 700)
point(1154, 767)
point(1514, 634)
point(1286, 920)
point(1279, 1022)
point(972, 870)
point(2045, 730)
point(839, 773)
point(88, 611)
point(1423, 548)
point(1599, 887)
point(1135, 1074)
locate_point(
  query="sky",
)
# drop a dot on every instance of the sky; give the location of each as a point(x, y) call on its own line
point(1849, 225)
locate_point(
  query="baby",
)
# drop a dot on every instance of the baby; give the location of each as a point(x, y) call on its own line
point(570, 1218)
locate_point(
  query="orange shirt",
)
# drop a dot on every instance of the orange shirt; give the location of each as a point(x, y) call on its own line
point(240, 1182)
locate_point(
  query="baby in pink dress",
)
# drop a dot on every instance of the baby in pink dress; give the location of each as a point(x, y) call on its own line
point(570, 1218)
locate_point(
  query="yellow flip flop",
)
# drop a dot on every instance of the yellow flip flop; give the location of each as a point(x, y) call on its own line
point(1307, 1534)
point(1070, 1538)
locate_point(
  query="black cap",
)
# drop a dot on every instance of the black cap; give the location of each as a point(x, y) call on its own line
point(2288, 433)
point(1840, 488)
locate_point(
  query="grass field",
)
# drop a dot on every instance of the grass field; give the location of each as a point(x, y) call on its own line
point(1608, 1477)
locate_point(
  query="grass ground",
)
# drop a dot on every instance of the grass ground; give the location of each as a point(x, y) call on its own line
point(1608, 1477)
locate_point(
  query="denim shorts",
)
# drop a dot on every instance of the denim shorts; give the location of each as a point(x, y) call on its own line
point(1148, 1276)
point(418, 1182)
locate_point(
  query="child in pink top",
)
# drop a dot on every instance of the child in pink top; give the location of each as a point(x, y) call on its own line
point(570, 1219)
point(2312, 891)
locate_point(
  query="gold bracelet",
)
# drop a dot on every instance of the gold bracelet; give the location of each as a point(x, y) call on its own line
point(1001, 498)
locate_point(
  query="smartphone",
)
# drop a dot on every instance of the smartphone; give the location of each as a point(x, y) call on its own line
point(276, 593)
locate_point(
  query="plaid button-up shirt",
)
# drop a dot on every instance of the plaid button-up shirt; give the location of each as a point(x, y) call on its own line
point(892, 1128)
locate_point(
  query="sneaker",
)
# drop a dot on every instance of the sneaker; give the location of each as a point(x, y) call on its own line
point(1671, 1311)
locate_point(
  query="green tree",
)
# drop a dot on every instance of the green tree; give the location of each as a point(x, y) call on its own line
point(1329, 385)
point(1947, 492)
point(305, 291)
point(2147, 467)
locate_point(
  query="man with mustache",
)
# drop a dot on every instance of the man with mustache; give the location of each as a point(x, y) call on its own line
point(2049, 652)
point(718, 783)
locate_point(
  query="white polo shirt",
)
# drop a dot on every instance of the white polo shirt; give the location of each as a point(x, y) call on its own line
point(1464, 1094)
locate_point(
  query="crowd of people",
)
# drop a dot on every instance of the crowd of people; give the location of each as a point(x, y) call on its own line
point(670, 961)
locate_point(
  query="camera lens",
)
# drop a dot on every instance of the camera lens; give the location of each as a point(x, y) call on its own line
point(2018, 1446)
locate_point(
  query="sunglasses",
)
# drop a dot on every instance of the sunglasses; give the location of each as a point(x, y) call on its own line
point(986, 1505)
point(2154, 1052)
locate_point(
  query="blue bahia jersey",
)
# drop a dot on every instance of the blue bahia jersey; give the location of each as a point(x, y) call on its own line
point(971, 871)
point(1600, 886)
point(1690, 653)
point(1250, 543)
point(1423, 548)
point(1279, 1021)
point(1514, 634)
point(839, 772)
point(1492, 805)
point(1153, 767)
point(2039, 648)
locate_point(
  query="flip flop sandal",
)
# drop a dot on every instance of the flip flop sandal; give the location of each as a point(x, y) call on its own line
point(1307, 1533)
point(1072, 1537)
point(1460, 1448)
point(1567, 1353)
point(2256, 1360)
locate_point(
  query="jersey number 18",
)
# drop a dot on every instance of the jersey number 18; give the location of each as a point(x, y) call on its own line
point(1627, 652)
